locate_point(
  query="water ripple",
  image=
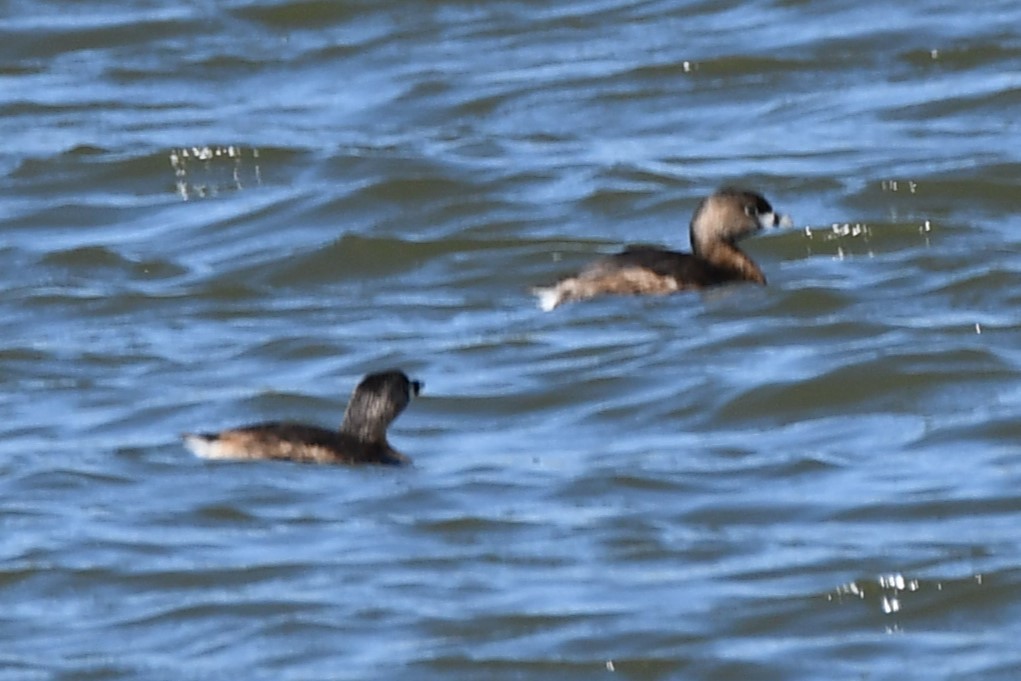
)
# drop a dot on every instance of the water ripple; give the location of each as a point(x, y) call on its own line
point(221, 214)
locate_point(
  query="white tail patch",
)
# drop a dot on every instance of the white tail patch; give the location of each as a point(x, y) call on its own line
point(206, 447)
point(549, 297)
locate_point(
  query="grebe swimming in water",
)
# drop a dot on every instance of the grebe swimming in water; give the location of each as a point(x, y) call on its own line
point(377, 400)
point(719, 222)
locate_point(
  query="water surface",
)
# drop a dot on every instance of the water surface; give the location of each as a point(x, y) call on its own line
point(219, 214)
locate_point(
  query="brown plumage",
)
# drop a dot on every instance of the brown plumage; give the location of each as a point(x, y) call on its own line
point(377, 400)
point(719, 222)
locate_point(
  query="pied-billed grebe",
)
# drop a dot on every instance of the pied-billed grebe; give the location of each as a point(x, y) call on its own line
point(719, 222)
point(375, 403)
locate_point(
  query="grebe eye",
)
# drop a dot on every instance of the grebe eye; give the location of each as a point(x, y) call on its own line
point(751, 211)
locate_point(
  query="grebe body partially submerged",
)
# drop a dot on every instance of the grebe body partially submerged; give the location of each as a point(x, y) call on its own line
point(719, 222)
point(377, 400)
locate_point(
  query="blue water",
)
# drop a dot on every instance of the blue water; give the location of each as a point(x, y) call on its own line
point(219, 214)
